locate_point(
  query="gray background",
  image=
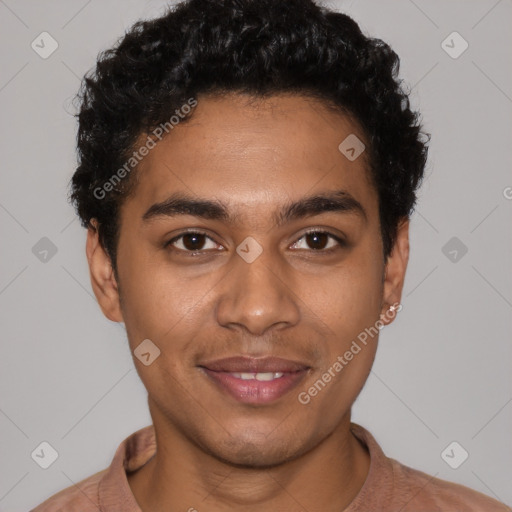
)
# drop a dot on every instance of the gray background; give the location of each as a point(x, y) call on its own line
point(443, 368)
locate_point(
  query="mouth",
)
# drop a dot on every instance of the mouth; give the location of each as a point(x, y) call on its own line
point(255, 380)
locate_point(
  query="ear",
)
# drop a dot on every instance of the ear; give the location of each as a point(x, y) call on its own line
point(394, 277)
point(102, 276)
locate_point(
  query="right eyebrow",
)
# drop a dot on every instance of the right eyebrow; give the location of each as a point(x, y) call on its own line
point(180, 204)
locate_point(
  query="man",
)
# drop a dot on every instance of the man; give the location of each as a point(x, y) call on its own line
point(247, 172)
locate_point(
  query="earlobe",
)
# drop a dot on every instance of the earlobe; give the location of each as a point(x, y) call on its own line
point(396, 267)
point(102, 276)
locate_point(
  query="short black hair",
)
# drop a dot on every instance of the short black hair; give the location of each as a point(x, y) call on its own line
point(257, 47)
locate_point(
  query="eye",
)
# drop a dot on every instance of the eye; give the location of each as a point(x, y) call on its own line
point(192, 241)
point(197, 241)
point(319, 241)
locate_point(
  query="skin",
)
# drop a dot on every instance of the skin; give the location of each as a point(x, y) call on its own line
point(293, 301)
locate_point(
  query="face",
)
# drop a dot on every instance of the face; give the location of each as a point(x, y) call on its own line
point(252, 290)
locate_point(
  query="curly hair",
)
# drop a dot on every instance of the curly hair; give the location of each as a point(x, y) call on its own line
point(258, 47)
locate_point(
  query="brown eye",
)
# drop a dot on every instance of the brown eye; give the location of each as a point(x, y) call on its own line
point(317, 240)
point(192, 242)
point(321, 241)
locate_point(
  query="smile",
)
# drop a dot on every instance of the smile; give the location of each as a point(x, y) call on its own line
point(255, 381)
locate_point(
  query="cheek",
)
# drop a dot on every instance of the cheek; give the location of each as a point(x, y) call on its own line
point(157, 309)
point(350, 308)
point(330, 394)
point(348, 300)
point(151, 299)
point(173, 311)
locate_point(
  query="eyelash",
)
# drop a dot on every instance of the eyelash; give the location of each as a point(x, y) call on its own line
point(341, 243)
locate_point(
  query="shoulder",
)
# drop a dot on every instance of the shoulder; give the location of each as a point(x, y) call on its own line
point(80, 497)
point(394, 486)
point(109, 488)
point(418, 491)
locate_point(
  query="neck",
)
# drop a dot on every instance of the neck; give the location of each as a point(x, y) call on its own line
point(181, 476)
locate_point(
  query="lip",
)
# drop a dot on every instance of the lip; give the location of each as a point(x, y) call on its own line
point(245, 364)
point(253, 391)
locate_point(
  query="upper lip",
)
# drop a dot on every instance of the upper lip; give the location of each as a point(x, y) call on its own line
point(244, 364)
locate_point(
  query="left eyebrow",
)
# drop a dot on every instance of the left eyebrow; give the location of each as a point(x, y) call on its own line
point(182, 204)
point(338, 201)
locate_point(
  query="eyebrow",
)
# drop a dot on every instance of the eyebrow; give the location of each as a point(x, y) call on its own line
point(334, 201)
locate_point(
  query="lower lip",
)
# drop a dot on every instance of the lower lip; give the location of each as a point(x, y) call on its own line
point(254, 391)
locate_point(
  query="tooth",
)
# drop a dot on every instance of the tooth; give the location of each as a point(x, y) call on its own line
point(265, 376)
point(262, 376)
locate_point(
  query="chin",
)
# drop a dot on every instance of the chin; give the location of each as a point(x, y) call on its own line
point(254, 456)
point(256, 449)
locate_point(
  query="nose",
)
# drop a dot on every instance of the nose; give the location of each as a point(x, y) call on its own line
point(257, 296)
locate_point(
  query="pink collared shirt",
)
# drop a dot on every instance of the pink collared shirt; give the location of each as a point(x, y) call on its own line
point(389, 487)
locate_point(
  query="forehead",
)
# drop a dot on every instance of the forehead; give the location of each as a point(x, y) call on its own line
point(251, 153)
